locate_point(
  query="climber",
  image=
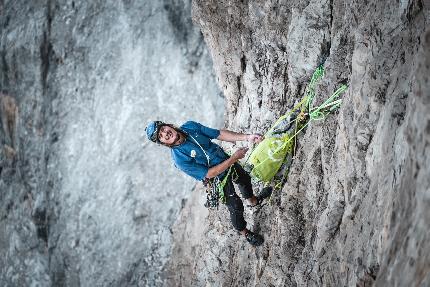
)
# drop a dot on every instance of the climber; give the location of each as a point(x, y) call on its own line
point(194, 153)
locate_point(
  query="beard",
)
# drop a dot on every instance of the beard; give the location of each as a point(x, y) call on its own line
point(177, 138)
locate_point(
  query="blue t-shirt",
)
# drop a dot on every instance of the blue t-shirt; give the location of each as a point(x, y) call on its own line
point(190, 158)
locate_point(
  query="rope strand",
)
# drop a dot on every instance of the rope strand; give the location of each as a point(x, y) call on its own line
point(315, 113)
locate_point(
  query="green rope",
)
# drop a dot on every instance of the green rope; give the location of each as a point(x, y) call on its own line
point(305, 102)
point(221, 186)
point(312, 117)
point(316, 114)
point(224, 181)
point(310, 89)
point(320, 112)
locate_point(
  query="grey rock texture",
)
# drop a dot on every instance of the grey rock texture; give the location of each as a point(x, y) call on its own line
point(85, 199)
point(355, 209)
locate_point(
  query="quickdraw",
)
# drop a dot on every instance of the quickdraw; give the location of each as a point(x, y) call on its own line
point(215, 189)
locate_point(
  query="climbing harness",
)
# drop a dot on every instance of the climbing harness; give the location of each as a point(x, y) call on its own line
point(277, 148)
point(215, 190)
point(214, 186)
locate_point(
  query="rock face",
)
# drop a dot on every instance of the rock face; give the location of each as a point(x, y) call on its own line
point(355, 209)
point(85, 199)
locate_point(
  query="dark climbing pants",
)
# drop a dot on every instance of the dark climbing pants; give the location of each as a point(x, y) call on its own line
point(233, 201)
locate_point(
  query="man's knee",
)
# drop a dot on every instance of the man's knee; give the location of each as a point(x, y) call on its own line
point(235, 205)
point(241, 176)
point(237, 219)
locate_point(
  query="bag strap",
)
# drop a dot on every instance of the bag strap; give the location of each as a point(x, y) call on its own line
point(207, 157)
point(222, 183)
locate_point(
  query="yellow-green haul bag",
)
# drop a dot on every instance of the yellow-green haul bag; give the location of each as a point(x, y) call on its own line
point(269, 155)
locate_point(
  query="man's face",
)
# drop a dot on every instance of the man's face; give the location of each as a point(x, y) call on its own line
point(167, 135)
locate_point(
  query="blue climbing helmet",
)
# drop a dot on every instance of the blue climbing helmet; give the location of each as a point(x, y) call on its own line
point(152, 130)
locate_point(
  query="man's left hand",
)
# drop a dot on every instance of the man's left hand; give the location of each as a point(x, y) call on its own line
point(255, 138)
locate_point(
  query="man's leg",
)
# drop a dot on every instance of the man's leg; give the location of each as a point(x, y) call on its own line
point(243, 180)
point(235, 207)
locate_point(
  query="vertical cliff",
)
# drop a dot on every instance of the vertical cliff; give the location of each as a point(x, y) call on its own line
point(79, 81)
point(355, 209)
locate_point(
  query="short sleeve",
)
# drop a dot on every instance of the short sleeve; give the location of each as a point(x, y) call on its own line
point(198, 171)
point(207, 131)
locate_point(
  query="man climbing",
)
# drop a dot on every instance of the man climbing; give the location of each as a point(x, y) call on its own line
point(195, 154)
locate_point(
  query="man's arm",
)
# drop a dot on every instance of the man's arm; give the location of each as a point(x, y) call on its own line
point(229, 136)
point(219, 168)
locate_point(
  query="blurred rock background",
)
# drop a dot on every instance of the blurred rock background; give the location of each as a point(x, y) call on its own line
point(85, 200)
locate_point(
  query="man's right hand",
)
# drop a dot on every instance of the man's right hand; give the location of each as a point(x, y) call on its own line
point(240, 153)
